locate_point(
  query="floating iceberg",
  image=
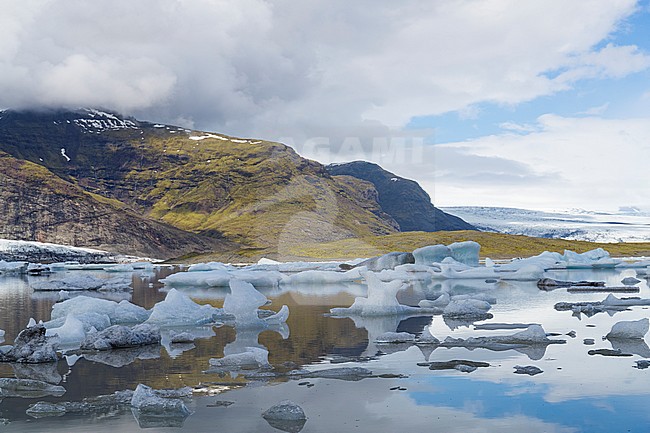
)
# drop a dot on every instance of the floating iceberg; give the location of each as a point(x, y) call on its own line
point(179, 310)
point(253, 357)
point(530, 272)
point(325, 277)
point(629, 329)
point(467, 308)
point(118, 336)
point(395, 337)
point(463, 252)
point(387, 261)
point(153, 408)
point(84, 282)
point(286, 416)
point(120, 313)
point(13, 268)
point(222, 277)
point(31, 346)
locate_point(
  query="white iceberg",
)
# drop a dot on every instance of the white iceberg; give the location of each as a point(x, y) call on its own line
point(395, 337)
point(13, 268)
point(629, 329)
point(84, 282)
point(431, 254)
point(325, 277)
point(253, 357)
point(222, 277)
point(123, 312)
point(70, 334)
point(179, 310)
point(530, 272)
point(464, 308)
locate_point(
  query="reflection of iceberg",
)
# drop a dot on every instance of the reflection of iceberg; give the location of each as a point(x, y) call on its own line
point(381, 300)
point(47, 372)
point(121, 357)
point(153, 408)
point(243, 302)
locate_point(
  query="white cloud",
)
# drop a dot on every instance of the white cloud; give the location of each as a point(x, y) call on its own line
point(591, 162)
point(281, 68)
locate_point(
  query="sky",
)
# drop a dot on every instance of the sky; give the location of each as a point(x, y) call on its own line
point(540, 104)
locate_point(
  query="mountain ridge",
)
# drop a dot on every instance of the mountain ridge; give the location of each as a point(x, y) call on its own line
point(401, 198)
point(259, 195)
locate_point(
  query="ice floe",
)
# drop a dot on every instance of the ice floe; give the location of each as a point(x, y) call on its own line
point(119, 337)
point(629, 329)
point(179, 310)
point(381, 300)
point(31, 346)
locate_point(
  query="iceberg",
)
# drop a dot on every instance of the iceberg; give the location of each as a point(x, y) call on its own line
point(84, 282)
point(222, 277)
point(531, 272)
point(325, 277)
point(395, 337)
point(13, 268)
point(179, 310)
point(123, 312)
point(286, 416)
point(387, 261)
point(629, 329)
point(118, 336)
point(253, 357)
point(467, 308)
point(31, 346)
point(153, 408)
point(70, 334)
point(431, 254)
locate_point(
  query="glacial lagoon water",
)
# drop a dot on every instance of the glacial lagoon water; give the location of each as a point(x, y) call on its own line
point(576, 392)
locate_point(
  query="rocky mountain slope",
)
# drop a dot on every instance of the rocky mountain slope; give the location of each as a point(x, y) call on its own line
point(96, 179)
point(403, 199)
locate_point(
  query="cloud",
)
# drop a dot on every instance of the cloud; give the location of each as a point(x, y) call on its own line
point(568, 162)
point(277, 68)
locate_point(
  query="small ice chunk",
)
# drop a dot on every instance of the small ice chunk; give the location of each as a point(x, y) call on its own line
point(387, 261)
point(530, 370)
point(71, 333)
point(118, 336)
point(630, 281)
point(153, 408)
point(285, 410)
point(629, 329)
point(181, 337)
point(253, 357)
point(31, 346)
point(466, 308)
point(395, 337)
point(440, 302)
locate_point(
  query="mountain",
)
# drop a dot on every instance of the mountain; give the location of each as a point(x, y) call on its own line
point(403, 199)
point(624, 226)
point(37, 205)
point(96, 179)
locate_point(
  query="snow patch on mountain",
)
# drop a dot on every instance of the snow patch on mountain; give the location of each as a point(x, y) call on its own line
point(627, 225)
point(97, 121)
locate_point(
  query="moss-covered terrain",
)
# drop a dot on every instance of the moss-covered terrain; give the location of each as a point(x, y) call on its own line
point(257, 194)
point(493, 245)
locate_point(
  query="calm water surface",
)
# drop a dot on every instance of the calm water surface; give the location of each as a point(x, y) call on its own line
point(575, 393)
